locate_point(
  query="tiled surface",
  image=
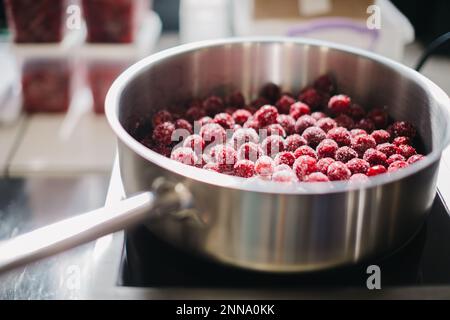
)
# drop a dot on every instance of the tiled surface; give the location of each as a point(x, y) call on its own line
point(8, 137)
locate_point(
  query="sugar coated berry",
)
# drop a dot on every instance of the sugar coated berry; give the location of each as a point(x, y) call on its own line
point(213, 105)
point(275, 129)
point(266, 115)
point(163, 133)
point(304, 166)
point(161, 116)
point(338, 171)
point(316, 177)
point(225, 156)
point(345, 121)
point(356, 132)
point(204, 120)
point(376, 170)
point(339, 103)
point(398, 141)
point(318, 115)
point(356, 112)
point(379, 117)
point(303, 123)
point(184, 124)
point(326, 124)
point(365, 124)
point(415, 158)
point(241, 116)
point(244, 135)
point(224, 119)
point(395, 157)
point(287, 122)
point(271, 92)
point(272, 145)
point(212, 166)
point(311, 97)
point(264, 166)
point(406, 150)
point(195, 142)
point(374, 157)
point(184, 155)
point(285, 157)
point(284, 103)
point(359, 177)
point(325, 83)
point(340, 135)
point(345, 154)
point(213, 132)
point(314, 135)
point(357, 165)
point(249, 151)
point(244, 168)
point(394, 166)
point(323, 164)
point(305, 151)
point(252, 123)
point(387, 148)
point(363, 142)
point(402, 128)
point(327, 148)
point(294, 141)
point(298, 109)
point(284, 176)
point(236, 99)
point(381, 136)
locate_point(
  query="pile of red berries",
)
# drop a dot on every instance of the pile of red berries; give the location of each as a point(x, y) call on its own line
point(322, 136)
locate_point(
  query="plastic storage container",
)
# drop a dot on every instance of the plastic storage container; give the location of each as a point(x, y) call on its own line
point(36, 21)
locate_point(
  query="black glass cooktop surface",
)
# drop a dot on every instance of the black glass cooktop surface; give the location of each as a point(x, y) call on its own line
point(425, 260)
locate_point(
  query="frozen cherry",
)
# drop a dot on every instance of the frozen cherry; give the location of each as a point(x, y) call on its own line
point(316, 177)
point(225, 120)
point(284, 176)
point(327, 148)
point(365, 124)
point(326, 124)
point(252, 123)
point(284, 157)
point(345, 121)
point(340, 135)
point(356, 132)
point(275, 129)
point(359, 177)
point(213, 132)
point(204, 120)
point(379, 117)
point(381, 136)
point(259, 102)
point(311, 97)
point(406, 150)
point(184, 124)
point(241, 116)
point(305, 151)
point(195, 142)
point(304, 166)
point(184, 155)
point(287, 122)
point(396, 165)
point(363, 142)
point(387, 148)
point(345, 154)
point(398, 141)
point(213, 105)
point(225, 156)
point(356, 112)
point(314, 135)
point(244, 168)
point(236, 99)
point(303, 123)
point(402, 128)
point(249, 151)
point(293, 142)
point(272, 145)
point(357, 165)
point(325, 83)
point(212, 166)
point(298, 109)
point(339, 103)
point(195, 113)
point(163, 133)
point(374, 157)
point(266, 115)
point(284, 103)
point(163, 149)
point(376, 170)
point(395, 157)
point(318, 115)
point(264, 166)
point(244, 135)
point(415, 158)
point(161, 116)
point(271, 92)
point(338, 171)
point(323, 164)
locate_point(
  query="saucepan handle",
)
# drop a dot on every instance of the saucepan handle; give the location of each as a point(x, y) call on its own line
point(72, 232)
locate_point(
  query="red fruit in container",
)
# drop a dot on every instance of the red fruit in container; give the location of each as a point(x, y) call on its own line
point(162, 133)
point(252, 124)
point(402, 128)
point(311, 97)
point(374, 157)
point(287, 122)
point(264, 166)
point(376, 170)
point(244, 135)
point(249, 151)
point(395, 157)
point(275, 129)
point(323, 164)
point(340, 135)
point(325, 83)
point(244, 168)
point(339, 103)
point(284, 176)
point(359, 177)
point(357, 132)
point(212, 132)
point(161, 116)
point(225, 156)
point(357, 165)
point(415, 158)
point(294, 141)
point(318, 115)
point(327, 148)
point(225, 120)
point(345, 154)
point(266, 115)
point(356, 112)
point(236, 100)
point(305, 151)
point(184, 155)
point(195, 142)
point(401, 140)
point(314, 135)
point(326, 124)
point(396, 165)
point(285, 157)
point(213, 105)
point(194, 113)
point(183, 124)
point(338, 171)
point(271, 92)
point(381, 136)
point(365, 124)
point(272, 145)
point(304, 166)
point(387, 148)
point(298, 109)
point(284, 103)
point(379, 117)
point(241, 116)
point(345, 121)
point(363, 142)
point(316, 177)
point(406, 150)
point(303, 123)
point(212, 166)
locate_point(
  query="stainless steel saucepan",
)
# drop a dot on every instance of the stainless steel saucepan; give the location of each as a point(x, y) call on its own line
point(246, 223)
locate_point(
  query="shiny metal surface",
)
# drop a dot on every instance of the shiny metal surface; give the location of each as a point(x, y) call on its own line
point(265, 226)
